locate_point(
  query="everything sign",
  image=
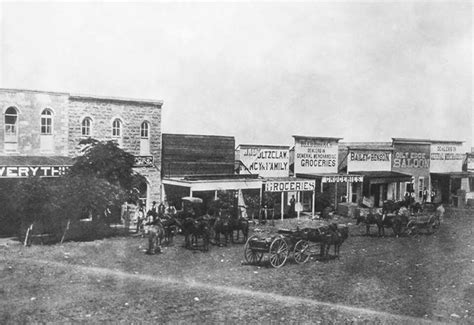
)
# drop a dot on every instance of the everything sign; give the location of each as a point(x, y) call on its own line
point(32, 171)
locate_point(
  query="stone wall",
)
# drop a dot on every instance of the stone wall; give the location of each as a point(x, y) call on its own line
point(29, 105)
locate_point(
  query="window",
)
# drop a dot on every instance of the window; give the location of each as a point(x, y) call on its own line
point(86, 126)
point(47, 122)
point(11, 124)
point(144, 130)
point(117, 128)
point(145, 139)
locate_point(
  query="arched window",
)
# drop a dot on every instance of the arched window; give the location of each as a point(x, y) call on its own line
point(145, 138)
point(11, 124)
point(47, 121)
point(144, 130)
point(117, 128)
point(86, 126)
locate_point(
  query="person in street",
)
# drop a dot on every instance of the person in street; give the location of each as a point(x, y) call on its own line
point(433, 195)
point(425, 195)
point(140, 217)
point(292, 207)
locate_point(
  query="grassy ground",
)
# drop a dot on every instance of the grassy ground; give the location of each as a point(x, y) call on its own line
point(376, 280)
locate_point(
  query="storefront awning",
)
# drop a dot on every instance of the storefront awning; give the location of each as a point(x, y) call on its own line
point(334, 177)
point(232, 182)
point(383, 177)
point(463, 174)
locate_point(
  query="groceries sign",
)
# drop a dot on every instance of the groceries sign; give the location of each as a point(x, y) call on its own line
point(315, 156)
point(290, 186)
point(266, 162)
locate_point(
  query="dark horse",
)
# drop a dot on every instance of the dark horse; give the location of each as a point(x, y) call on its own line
point(371, 219)
point(193, 229)
point(222, 226)
point(335, 235)
point(238, 224)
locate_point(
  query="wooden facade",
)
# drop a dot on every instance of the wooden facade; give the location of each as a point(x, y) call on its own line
point(188, 155)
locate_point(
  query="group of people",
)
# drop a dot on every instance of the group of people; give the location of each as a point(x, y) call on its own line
point(153, 215)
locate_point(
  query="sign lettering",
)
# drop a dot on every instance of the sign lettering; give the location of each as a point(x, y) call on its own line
point(32, 171)
point(290, 186)
point(266, 162)
point(143, 161)
point(343, 179)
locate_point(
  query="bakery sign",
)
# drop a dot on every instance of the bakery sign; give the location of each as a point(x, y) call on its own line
point(266, 162)
point(32, 171)
point(290, 185)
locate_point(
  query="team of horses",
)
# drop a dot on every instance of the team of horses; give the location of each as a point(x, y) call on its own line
point(398, 216)
point(217, 228)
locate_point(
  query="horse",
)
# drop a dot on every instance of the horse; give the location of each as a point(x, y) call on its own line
point(156, 234)
point(335, 235)
point(222, 225)
point(238, 224)
point(390, 206)
point(371, 219)
point(170, 224)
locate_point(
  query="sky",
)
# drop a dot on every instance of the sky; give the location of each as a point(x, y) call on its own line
point(258, 71)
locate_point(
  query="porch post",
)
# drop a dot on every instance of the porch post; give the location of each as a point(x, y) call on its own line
point(282, 201)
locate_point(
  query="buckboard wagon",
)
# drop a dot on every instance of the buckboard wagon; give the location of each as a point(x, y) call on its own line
point(429, 222)
point(301, 242)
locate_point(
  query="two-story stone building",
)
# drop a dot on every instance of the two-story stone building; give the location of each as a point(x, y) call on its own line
point(42, 130)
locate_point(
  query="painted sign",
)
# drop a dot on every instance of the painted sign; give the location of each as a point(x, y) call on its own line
point(446, 157)
point(32, 171)
point(470, 163)
point(290, 186)
point(266, 162)
point(343, 179)
point(315, 156)
point(369, 160)
point(411, 157)
point(143, 161)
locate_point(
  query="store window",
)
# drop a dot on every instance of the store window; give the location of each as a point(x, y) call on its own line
point(86, 127)
point(46, 131)
point(145, 139)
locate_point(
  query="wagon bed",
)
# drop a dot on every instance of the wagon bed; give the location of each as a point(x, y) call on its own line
point(279, 246)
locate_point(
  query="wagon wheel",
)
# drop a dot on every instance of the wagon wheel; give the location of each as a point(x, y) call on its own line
point(411, 226)
point(278, 252)
point(251, 256)
point(301, 252)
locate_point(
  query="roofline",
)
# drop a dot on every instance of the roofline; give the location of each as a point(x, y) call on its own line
point(201, 135)
point(316, 138)
point(414, 141)
point(158, 103)
point(447, 141)
point(274, 146)
point(34, 91)
point(371, 148)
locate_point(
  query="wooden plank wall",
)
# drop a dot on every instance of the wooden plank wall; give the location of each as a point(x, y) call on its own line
point(185, 155)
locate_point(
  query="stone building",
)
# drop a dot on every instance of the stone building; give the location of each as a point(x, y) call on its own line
point(41, 132)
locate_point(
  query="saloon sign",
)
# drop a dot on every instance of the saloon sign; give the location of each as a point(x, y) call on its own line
point(411, 158)
point(265, 161)
point(290, 186)
point(315, 155)
point(32, 171)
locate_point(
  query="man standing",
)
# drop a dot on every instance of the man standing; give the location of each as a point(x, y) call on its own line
point(292, 206)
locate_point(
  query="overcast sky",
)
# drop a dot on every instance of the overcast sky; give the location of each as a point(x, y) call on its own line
point(259, 71)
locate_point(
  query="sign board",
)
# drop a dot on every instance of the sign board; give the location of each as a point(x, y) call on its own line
point(290, 186)
point(446, 157)
point(32, 171)
point(143, 161)
point(343, 179)
point(470, 163)
point(369, 160)
point(411, 158)
point(315, 156)
point(266, 162)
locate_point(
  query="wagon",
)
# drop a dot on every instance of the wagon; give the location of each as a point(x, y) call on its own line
point(301, 242)
point(428, 222)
